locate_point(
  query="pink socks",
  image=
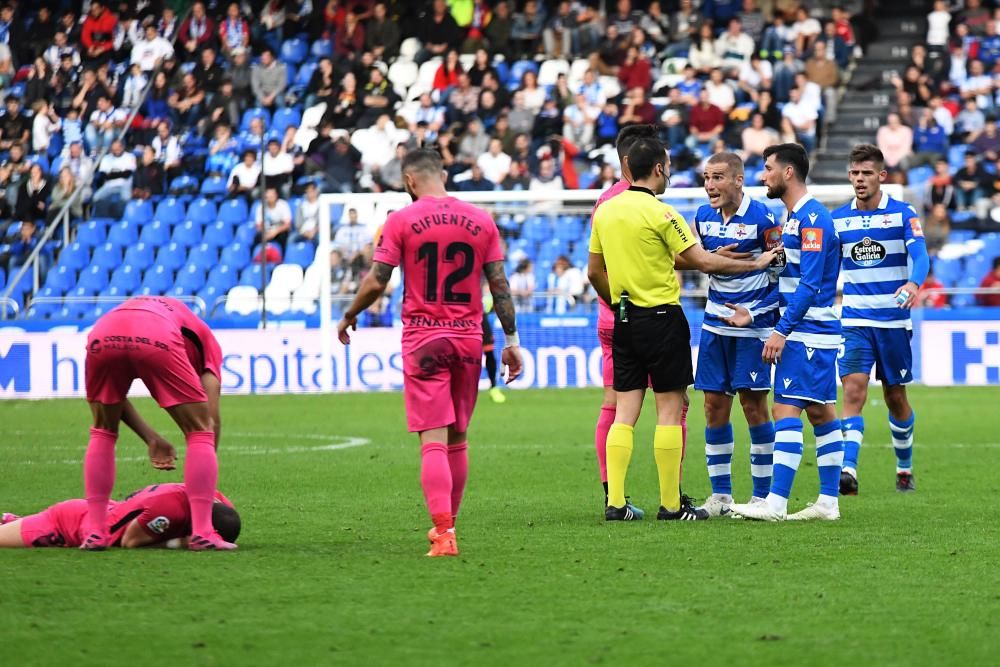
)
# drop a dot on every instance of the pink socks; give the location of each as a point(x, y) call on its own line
point(604, 423)
point(435, 478)
point(99, 477)
point(201, 472)
point(458, 462)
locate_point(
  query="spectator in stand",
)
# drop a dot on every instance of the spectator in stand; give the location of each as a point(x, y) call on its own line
point(970, 122)
point(547, 180)
point(579, 122)
point(702, 56)
point(566, 283)
point(390, 175)
point(804, 31)
point(938, 26)
point(97, 36)
point(167, 148)
point(437, 32)
point(635, 72)
point(533, 94)
point(149, 176)
point(895, 140)
point(975, 16)
point(44, 125)
point(720, 93)
point(937, 227)
point(157, 104)
point(463, 101)
point(474, 143)
point(822, 70)
point(278, 167)
point(755, 138)
point(268, 80)
point(990, 281)
point(928, 296)
point(494, 162)
point(349, 42)
point(59, 49)
point(378, 97)
point(675, 118)
point(498, 29)
point(971, 182)
point(801, 117)
point(522, 285)
point(734, 47)
point(942, 115)
point(208, 73)
point(476, 181)
point(705, 121)
point(940, 189)
point(382, 36)
point(351, 240)
point(196, 33)
point(80, 165)
point(21, 249)
point(341, 166)
point(752, 20)
point(234, 31)
point(134, 87)
point(978, 86)
point(987, 143)
point(151, 50)
point(307, 216)
point(117, 168)
point(167, 23)
point(105, 122)
point(244, 177)
point(33, 197)
point(784, 75)
point(273, 220)
point(637, 110)
point(447, 74)
point(548, 122)
point(526, 33)
point(186, 102)
point(64, 192)
point(15, 127)
point(518, 178)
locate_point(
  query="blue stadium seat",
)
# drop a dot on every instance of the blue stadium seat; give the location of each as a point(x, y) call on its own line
point(503, 71)
point(250, 114)
point(91, 233)
point(108, 256)
point(301, 253)
point(187, 233)
point(61, 279)
point(139, 256)
point(170, 211)
point(236, 256)
point(222, 277)
point(155, 233)
point(251, 275)
point(94, 278)
point(536, 228)
point(210, 294)
point(233, 211)
point(518, 69)
point(203, 255)
point(126, 279)
point(294, 51)
point(73, 311)
point(123, 234)
point(185, 184)
point(171, 257)
point(138, 211)
point(285, 118)
point(115, 292)
point(42, 311)
point(191, 278)
point(75, 256)
point(214, 186)
point(304, 75)
point(158, 279)
point(245, 233)
point(321, 48)
point(202, 211)
point(218, 234)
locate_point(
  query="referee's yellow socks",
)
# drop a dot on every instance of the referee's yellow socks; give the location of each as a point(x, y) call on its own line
point(667, 448)
point(620, 442)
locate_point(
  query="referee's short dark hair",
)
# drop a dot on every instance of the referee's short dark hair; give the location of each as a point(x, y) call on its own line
point(644, 155)
point(790, 154)
point(631, 134)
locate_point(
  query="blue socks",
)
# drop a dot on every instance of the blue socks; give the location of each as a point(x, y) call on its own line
point(719, 456)
point(854, 433)
point(829, 457)
point(761, 457)
point(787, 456)
point(902, 441)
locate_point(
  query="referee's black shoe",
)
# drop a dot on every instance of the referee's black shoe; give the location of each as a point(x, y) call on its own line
point(612, 513)
point(687, 512)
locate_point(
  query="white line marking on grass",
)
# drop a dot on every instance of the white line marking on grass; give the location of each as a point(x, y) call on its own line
point(345, 442)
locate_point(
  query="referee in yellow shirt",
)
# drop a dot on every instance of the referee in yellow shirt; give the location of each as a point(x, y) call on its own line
point(638, 240)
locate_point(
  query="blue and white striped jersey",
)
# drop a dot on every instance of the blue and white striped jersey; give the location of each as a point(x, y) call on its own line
point(752, 227)
point(875, 248)
point(808, 285)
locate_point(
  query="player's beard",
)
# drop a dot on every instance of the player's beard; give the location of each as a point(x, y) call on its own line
point(776, 191)
point(410, 192)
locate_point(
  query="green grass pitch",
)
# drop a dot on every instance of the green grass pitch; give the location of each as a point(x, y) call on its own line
point(331, 570)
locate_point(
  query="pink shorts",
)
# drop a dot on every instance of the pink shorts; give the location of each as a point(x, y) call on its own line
point(606, 336)
point(58, 526)
point(441, 383)
point(130, 344)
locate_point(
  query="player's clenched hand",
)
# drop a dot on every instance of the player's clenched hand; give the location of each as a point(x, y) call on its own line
point(740, 318)
point(911, 289)
point(767, 257)
point(162, 454)
point(512, 363)
point(773, 348)
point(349, 322)
point(730, 252)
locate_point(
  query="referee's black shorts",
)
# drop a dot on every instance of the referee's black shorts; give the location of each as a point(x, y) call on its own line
point(652, 349)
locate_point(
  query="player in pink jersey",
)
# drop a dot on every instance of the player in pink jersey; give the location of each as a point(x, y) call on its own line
point(443, 246)
point(155, 515)
point(160, 341)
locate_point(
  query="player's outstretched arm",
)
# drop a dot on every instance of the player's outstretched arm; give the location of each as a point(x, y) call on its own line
point(596, 271)
point(162, 454)
point(372, 287)
point(503, 306)
point(135, 537)
point(707, 262)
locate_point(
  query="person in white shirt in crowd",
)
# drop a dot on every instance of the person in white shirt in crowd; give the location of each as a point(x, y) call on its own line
point(244, 177)
point(117, 168)
point(60, 47)
point(168, 150)
point(522, 285)
point(804, 31)
point(734, 47)
point(567, 283)
point(273, 219)
point(942, 116)
point(495, 163)
point(720, 93)
point(278, 166)
point(938, 26)
point(578, 122)
point(812, 92)
point(134, 86)
point(593, 90)
point(800, 117)
point(80, 165)
point(151, 50)
point(755, 75)
point(351, 240)
point(307, 216)
point(45, 123)
point(380, 142)
point(428, 112)
point(978, 86)
point(104, 123)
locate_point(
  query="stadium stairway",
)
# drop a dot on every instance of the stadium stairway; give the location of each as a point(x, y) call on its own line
point(870, 95)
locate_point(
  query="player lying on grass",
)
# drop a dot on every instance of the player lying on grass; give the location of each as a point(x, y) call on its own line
point(157, 515)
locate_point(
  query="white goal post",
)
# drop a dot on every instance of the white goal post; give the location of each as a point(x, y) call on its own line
point(374, 207)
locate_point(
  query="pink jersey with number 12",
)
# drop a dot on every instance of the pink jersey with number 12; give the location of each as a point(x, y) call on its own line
point(442, 244)
point(605, 316)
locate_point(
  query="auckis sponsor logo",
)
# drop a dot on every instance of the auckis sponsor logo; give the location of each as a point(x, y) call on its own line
point(812, 240)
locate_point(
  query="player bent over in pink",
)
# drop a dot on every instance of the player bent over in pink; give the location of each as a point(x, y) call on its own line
point(443, 246)
point(157, 515)
point(161, 342)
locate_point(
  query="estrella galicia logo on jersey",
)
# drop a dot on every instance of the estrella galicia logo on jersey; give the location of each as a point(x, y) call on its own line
point(868, 252)
point(812, 240)
point(159, 525)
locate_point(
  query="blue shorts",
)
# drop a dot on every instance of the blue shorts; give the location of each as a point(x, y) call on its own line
point(805, 375)
point(728, 364)
point(888, 350)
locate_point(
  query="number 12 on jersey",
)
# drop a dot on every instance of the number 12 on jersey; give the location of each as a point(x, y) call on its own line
point(458, 254)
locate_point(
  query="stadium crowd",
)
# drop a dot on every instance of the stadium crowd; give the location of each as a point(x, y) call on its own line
point(517, 95)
